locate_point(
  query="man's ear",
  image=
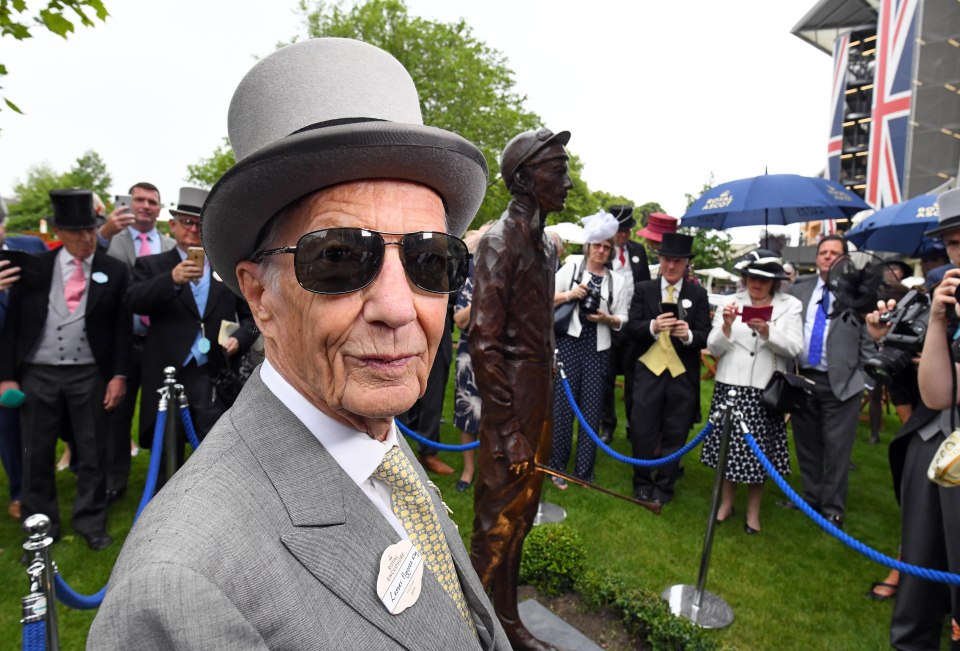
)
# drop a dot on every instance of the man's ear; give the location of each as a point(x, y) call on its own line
point(254, 290)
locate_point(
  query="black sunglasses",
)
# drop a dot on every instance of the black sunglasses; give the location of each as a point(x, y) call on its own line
point(343, 260)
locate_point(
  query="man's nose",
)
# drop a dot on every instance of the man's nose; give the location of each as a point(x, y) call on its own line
point(389, 298)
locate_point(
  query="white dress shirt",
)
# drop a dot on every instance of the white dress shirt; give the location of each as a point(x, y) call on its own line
point(356, 452)
point(65, 261)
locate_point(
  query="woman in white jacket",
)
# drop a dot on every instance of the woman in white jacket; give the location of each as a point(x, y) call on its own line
point(748, 352)
point(585, 346)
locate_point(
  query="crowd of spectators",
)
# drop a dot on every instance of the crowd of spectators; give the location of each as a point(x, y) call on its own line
point(101, 309)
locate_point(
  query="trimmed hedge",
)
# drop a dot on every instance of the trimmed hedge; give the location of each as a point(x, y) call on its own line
point(554, 563)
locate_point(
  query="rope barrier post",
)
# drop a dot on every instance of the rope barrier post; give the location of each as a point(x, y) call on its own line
point(41, 571)
point(700, 606)
point(170, 432)
point(548, 512)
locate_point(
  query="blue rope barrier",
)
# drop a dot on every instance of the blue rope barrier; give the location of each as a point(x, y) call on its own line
point(188, 427)
point(35, 635)
point(849, 541)
point(64, 592)
point(433, 444)
point(643, 463)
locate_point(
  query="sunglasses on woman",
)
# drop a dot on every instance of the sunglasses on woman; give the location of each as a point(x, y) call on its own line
point(344, 260)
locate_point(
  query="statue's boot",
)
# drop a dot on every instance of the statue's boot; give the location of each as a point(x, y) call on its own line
point(505, 605)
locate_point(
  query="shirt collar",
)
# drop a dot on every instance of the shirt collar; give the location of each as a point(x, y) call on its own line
point(664, 284)
point(356, 452)
point(66, 261)
point(135, 234)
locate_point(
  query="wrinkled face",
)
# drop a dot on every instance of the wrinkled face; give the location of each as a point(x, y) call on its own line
point(827, 253)
point(366, 354)
point(672, 269)
point(551, 182)
point(599, 252)
point(79, 242)
point(759, 288)
point(951, 239)
point(146, 209)
point(185, 229)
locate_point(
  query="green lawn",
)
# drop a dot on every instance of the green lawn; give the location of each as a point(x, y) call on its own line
point(791, 587)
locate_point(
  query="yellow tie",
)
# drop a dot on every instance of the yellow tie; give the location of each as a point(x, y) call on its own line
point(414, 508)
point(662, 355)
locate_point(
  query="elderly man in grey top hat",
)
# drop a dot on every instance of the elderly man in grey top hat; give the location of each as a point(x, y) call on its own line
point(304, 521)
point(930, 514)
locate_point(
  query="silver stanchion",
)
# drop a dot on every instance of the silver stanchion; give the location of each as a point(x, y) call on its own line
point(168, 392)
point(700, 606)
point(41, 602)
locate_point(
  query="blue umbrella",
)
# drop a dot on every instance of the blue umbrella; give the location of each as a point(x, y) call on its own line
point(772, 199)
point(898, 228)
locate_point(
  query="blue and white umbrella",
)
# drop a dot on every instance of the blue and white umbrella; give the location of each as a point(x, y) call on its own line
point(776, 199)
point(898, 228)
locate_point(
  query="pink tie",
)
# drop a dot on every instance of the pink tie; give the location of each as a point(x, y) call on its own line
point(73, 290)
point(144, 245)
point(144, 250)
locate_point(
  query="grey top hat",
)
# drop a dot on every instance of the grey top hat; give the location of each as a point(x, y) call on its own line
point(322, 112)
point(190, 202)
point(948, 204)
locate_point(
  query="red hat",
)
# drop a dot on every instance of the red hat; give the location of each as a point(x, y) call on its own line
point(657, 225)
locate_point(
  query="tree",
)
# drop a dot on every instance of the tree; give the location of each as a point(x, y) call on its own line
point(58, 16)
point(32, 199)
point(711, 248)
point(465, 87)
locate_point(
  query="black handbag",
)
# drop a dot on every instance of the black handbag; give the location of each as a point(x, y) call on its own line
point(786, 393)
point(564, 312)
point(230, 381)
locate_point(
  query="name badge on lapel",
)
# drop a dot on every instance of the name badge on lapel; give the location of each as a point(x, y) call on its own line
point(635, 259)
point(99, 277)
point(217, 277)
point(401, 577)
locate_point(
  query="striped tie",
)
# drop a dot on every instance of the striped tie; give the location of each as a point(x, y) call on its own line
point(414, 508)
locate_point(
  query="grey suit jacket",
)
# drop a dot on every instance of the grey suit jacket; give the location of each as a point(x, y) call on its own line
point(261, 541)
point(848, 346)
point(121, 247)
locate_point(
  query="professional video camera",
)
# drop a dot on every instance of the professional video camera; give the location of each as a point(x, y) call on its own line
point(904, 340)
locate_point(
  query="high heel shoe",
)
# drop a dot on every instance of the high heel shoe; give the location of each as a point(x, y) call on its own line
point(750, 531)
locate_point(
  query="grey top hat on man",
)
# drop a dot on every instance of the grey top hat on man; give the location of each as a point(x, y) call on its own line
point(948, 204)
point(349, 111)
point(190, 202)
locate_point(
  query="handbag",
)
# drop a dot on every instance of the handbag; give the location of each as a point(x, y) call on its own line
point(564, 312)
point(229, 382)
point(786, 393)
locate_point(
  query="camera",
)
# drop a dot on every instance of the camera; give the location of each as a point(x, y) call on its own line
point(590, 303)
point(904, 340)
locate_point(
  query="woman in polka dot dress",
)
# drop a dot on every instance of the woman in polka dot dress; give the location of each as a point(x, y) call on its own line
point(585, 346)
point(747, 355)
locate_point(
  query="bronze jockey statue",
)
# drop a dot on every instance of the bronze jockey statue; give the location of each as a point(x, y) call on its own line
point(511, 344)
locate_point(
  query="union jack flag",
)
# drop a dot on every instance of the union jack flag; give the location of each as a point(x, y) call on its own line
point(892, 99)
point(841, 49)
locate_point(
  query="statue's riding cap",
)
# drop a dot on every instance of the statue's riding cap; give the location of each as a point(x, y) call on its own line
point(322, 112)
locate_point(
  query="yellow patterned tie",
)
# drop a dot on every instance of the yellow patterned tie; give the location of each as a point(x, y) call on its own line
point(662, 355)
point(414, 508)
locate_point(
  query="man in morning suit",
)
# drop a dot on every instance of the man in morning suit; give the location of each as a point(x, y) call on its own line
point(186, 303)
point(833, 354)
point(629, 259)
point(10, 446)
point(65, 344)
point(338, 225)
point(130, 233)
point(930, 513)
point(666, 389)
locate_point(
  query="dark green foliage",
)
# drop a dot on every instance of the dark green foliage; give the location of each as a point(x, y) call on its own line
point(553, 557)
point(32, 204)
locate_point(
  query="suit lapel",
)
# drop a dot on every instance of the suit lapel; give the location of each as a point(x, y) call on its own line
point(186, 290)
point(336, 533)
point(94, 289)
point(653, 298)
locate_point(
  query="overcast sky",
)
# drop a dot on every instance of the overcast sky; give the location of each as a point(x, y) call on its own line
point(657, 95)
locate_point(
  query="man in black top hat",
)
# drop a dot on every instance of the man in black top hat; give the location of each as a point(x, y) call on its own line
point(669, 323)
point(629, 259)
point(66, 345)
